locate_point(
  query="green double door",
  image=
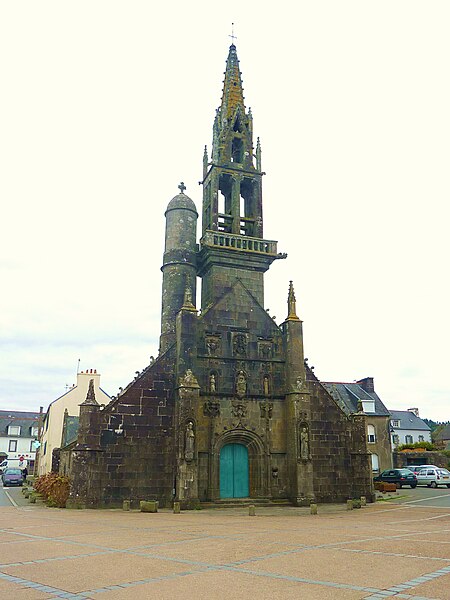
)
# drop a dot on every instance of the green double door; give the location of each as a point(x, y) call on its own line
point(234, 471)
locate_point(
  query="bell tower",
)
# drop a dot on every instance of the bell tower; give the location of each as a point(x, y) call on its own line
point(232, 243)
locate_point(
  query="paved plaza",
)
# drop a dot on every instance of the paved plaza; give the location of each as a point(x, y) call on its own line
point(379, 551)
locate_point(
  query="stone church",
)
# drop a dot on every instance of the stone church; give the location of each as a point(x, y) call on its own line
point(229, 409)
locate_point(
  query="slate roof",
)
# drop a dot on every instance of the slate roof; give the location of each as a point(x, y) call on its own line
point(347, 395)
point(444, 434)
point(408, 420)
point(24, 419)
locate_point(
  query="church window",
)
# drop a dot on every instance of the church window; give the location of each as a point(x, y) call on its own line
point(237, 125)
point(237, 150)
point(225, 219)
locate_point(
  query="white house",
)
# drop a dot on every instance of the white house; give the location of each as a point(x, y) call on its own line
point(408, 428)
point(52, 426)
point(18, 433)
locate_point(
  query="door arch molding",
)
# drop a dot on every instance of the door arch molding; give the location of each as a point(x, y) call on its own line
point(257, 462)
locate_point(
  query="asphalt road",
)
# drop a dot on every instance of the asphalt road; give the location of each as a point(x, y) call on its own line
point(424, 496)
point(7, 493)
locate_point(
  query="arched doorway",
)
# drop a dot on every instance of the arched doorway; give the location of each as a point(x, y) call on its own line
point(234, 471)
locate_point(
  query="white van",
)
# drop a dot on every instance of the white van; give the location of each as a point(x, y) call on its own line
point(13, 463)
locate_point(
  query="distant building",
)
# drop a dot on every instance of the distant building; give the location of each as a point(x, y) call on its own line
point(18, 433)
point(408, 428)
point(361, 395)
point(444, 437)
point(68, 404)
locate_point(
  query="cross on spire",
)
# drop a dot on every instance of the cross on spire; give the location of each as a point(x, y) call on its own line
point(232, 36)
point(182, 187)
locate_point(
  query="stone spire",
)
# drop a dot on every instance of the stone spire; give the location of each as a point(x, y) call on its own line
point(292, 310)
point(233, 93)
point(90, 396)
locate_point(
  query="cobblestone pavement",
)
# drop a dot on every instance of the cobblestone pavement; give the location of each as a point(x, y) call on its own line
point(379, 551)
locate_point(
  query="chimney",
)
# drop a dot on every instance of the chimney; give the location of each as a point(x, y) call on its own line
point(414, 410)
point(367, 384)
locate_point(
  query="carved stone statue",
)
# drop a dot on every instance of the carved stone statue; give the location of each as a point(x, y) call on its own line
point(304, 443)
point(241, 384)
point(240, 344)
point(189, 443)
point(189, 378)
point(212, 383)
point(266, 385)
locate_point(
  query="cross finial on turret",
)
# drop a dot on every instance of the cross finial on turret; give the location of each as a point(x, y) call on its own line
point(232, 36)
point(182, 187)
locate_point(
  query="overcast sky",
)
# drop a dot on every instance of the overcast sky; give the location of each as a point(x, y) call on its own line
point(106, 106)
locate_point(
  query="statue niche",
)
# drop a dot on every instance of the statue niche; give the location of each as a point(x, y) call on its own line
point(304, 441)
point(189, 442)
point(240, 344)
point(241, 384)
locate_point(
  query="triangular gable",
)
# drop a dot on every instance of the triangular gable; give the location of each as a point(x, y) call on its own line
point(244, 307)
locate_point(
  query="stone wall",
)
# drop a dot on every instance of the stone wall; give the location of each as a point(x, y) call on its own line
point(134, 456)
point(403, 459)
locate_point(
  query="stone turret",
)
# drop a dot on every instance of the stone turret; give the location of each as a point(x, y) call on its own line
point(179, 263)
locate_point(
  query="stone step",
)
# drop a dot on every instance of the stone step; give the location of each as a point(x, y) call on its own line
point(243, 502)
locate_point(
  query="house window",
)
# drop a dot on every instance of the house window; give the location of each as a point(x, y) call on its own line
point(34, 431)
point(396, 440)
point(375, 463)
point(408, 439)
point(371, 434)
point(32, 447)
point(421, 438)
point(12, 445)
point(395, 423)
point(14, 430)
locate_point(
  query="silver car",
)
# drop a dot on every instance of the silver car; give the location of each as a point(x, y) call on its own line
point(433, 476)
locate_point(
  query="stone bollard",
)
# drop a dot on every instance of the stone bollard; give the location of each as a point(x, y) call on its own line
point(126, 505)
point(26, 493)
point(176, 508)
point(252, 510)
point(313, 509)
point(356, 503)
point(349, 504)
point(32, 498)
point(363, 501)
point(150, 506)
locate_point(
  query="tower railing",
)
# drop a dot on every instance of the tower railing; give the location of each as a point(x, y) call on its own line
point(233, 241)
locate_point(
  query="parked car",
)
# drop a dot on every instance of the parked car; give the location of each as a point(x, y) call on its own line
point(415, 468)
point(400, 477)
point(433, 476)
point(12, 477)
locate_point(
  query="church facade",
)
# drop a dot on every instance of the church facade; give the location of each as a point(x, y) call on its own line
point(229, 409)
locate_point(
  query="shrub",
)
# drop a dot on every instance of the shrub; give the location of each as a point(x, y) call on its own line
point(54, 488)
point(417, 446)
